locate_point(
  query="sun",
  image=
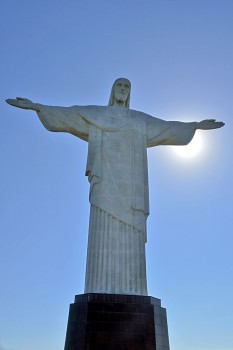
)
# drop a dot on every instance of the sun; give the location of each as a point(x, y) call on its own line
point(193, 149)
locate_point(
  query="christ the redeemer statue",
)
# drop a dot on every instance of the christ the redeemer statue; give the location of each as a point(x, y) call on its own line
point(117, 170)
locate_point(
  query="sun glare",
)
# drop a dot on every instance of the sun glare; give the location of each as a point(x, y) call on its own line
point(192, 149)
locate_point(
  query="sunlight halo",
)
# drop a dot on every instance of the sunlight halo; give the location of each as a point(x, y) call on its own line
point(191, 150)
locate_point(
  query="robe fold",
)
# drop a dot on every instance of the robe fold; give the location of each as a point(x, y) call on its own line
point(118, 174)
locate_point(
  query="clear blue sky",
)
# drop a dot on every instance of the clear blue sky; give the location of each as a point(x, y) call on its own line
point(178, 55)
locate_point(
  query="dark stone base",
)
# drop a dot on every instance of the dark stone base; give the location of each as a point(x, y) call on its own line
point(116, 322)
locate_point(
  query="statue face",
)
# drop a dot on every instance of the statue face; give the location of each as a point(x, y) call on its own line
point(121, 90)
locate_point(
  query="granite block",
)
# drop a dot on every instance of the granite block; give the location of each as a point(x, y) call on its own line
point(116, 322)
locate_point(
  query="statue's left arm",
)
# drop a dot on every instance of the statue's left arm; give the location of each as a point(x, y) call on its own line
point(161, 132)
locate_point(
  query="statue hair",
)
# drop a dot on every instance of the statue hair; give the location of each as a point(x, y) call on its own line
point(111, 99)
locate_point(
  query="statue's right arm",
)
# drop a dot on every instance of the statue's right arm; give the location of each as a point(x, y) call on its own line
point(24, 103)
point(57, 119)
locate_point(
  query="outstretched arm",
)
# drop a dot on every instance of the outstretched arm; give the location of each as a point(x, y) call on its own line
point(58, 119)
point(209, 124)
point(161, 132)
point(24, 103)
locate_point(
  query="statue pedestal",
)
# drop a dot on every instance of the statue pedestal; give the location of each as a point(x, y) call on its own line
point(116, 322)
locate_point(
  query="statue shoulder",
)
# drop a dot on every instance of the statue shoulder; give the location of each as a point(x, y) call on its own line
point(91, 108)
point(147, 117)
point(141, 115)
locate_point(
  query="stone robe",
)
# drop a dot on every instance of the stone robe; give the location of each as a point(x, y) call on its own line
point(118, 174)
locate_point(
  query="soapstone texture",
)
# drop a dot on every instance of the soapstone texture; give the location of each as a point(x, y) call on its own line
point(117, 170)
point(118, 138)
point(115, 251)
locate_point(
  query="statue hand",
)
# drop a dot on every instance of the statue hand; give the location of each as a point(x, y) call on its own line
point(23, 103)
point(208, 124)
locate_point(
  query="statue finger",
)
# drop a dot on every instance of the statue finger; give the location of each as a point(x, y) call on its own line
point(20, 98)
point(11, 101)
point(220, 124)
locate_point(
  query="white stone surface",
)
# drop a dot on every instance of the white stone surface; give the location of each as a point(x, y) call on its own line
point(118, 138)
point(116, 261)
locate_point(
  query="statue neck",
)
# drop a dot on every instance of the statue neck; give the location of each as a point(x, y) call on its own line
point(118, 103)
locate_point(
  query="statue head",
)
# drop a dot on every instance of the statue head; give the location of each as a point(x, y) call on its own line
point(120, 92)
